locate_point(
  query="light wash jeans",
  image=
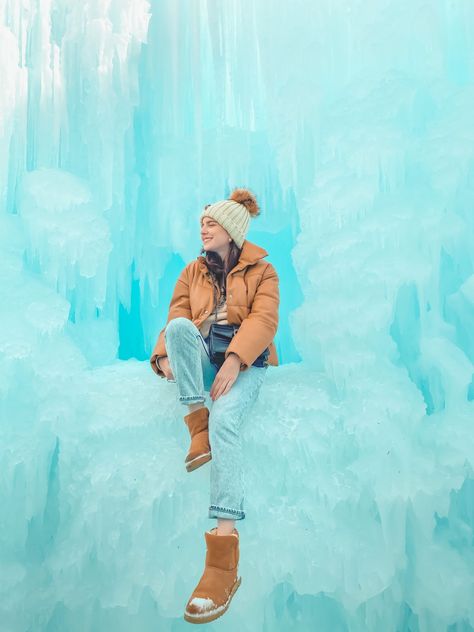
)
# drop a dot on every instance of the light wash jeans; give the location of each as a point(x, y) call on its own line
point(188, 355)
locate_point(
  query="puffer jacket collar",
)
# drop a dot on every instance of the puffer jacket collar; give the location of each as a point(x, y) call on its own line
point(249, 255)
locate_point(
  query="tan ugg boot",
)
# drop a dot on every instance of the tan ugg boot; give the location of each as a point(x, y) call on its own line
point(218, 583)
point(200, 450)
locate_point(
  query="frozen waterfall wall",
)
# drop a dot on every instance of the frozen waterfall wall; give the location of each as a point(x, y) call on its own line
point(353, 123)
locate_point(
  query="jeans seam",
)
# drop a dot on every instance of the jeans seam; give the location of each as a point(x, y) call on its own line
point(204, 345)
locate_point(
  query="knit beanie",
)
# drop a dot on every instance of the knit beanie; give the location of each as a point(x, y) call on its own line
point(234, 213)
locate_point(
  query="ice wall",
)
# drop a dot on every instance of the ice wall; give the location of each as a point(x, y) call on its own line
point(352, 122)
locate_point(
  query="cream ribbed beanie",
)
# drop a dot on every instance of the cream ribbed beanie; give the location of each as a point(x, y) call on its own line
point(234, 213)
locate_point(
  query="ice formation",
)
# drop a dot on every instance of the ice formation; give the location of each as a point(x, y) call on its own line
point(353, 124)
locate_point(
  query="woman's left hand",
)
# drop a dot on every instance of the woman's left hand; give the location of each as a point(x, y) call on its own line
point(226, 376)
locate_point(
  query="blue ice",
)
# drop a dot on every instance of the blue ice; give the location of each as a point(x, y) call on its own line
point(353, 124)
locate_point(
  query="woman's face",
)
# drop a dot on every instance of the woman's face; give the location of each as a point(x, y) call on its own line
point(214, 236)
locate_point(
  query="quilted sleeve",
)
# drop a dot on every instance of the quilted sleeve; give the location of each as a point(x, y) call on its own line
point(258, 329)
point(179, 306)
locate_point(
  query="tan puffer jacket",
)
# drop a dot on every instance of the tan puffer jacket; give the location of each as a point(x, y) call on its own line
point(253, 300)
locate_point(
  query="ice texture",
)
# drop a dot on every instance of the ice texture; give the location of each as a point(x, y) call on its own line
point(353, 123)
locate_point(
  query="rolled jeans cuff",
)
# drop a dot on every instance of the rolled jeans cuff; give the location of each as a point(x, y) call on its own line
point(223, 512)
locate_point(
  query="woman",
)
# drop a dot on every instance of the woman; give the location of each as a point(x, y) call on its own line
point(230, 285)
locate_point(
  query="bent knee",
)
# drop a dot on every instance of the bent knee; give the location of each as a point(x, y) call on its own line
point(178, 323)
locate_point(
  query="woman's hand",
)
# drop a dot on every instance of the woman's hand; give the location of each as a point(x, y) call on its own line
point(165, 367)
point(226, 376)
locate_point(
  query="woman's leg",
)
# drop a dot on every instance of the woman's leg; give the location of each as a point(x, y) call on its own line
point(225, 526)
point(226, 417)
point(188, 356)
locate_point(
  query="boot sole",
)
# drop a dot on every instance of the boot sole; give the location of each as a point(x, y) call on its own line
point(198, 461)
point(210, 615)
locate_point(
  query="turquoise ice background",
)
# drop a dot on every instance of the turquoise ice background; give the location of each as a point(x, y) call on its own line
point(353, 123)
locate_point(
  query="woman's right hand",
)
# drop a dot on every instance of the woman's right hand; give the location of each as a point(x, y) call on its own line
point(165, 367)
